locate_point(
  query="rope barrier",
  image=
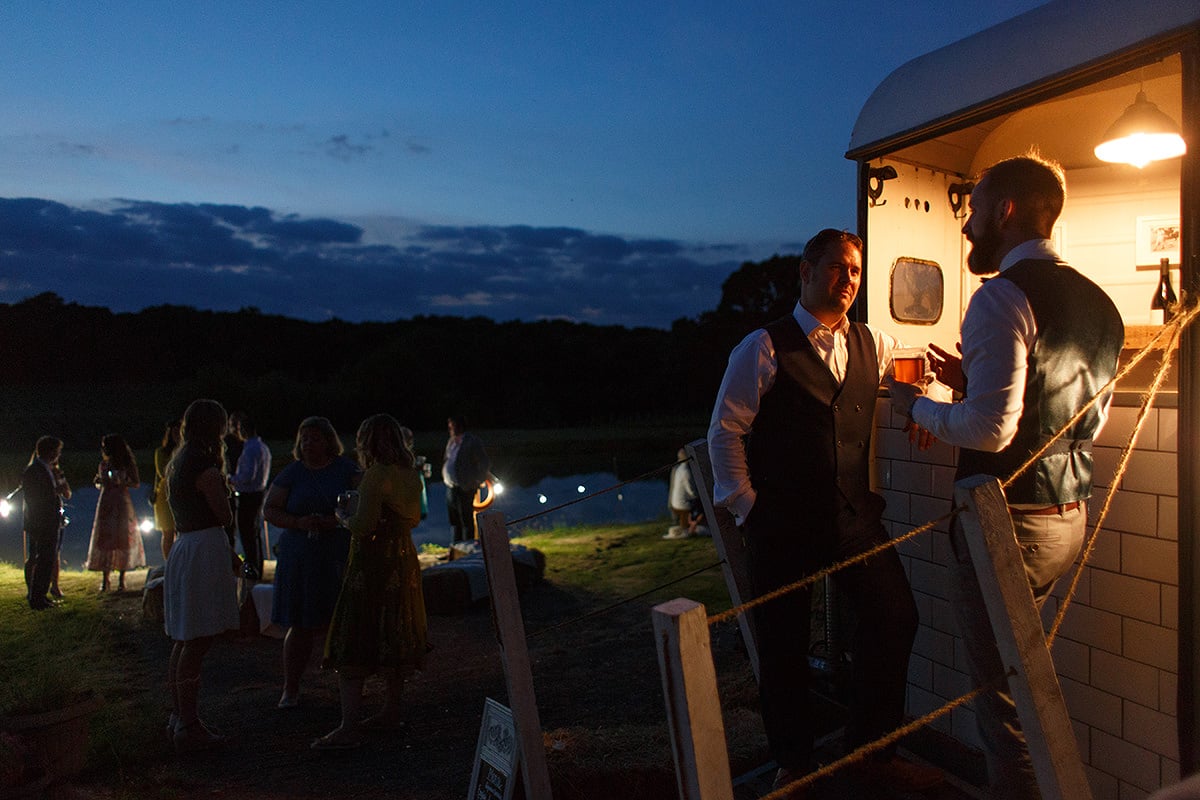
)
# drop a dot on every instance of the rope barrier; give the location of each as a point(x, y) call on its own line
point(860, 753)
point(619, 603)
point(816, 576)
point(614, 487)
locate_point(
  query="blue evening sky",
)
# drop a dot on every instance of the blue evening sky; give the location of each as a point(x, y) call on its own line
point(602, 162)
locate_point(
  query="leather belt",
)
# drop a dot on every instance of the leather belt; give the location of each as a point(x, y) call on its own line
point(1059, 509)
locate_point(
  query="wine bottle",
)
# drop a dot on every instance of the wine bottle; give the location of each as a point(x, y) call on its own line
point(1163, 302)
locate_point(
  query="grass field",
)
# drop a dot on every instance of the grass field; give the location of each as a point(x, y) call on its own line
point(86, 643)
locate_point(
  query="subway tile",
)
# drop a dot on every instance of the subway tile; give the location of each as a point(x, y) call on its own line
point(943, 482)
point(1104, 465)
point(1071, 660)
point(920, 672)
point(1104, 786)
point(1093, 627)
point(950, 683)
point(1168, 689)
point(1121, 420)
point(929, 578)
point(1106, 552)
point(1150, 729)
point(924, 508)
point(1151, 472)
point(941, 616)
point(1168, 517)
point(1154, 559)
point(1168, 429)
point(941, 453)
point(908, 476)
point(1125, 595)
point(1170, 606)
point(934, 645)
point(1126, 678)
point(892, 444)
point(1091, 706)
point(1131, 512)
point(883, 474)
point(1151, 644)
point(1128, 762)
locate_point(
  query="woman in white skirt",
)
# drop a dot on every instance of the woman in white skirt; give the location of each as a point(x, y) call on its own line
point(200, 590)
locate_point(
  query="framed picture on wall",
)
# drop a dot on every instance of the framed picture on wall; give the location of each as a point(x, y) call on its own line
point(1157, 238)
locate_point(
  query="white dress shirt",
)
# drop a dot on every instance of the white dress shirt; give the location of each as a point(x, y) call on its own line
point(998, 332)
point(750, 375)
point(253, 467)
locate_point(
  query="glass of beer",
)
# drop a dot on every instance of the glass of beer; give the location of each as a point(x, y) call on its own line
point(908, 364)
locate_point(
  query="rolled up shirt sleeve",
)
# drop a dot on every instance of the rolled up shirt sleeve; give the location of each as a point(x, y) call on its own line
point(998, 332)
point(748, 376)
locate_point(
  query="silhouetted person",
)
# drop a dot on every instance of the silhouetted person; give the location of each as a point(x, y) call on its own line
point(466, 467)
point(43, 519)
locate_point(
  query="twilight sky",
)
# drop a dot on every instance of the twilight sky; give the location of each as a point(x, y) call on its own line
point(606, 162)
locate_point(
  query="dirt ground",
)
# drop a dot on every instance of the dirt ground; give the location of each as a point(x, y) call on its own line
point(598, 692)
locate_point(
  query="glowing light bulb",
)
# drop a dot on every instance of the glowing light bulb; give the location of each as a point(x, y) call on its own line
point(5, 508)
point(498, 488)
point(542, 499)
point(580, 489)
point(146, 526)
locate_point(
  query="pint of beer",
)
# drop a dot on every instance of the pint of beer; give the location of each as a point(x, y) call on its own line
point(908, 363)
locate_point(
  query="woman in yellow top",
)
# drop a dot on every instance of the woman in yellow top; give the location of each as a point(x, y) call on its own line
point(379, 622)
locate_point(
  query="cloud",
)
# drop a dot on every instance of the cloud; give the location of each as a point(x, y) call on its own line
point(133, 254)
point(341, 148)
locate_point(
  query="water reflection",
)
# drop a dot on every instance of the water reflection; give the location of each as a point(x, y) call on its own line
point(639, 501)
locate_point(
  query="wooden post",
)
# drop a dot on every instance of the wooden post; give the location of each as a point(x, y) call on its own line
point(689, 682)
point(727, 538)
point(510, 632)
point(1020, 639)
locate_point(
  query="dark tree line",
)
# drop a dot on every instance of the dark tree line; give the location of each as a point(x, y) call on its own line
point(79, 369)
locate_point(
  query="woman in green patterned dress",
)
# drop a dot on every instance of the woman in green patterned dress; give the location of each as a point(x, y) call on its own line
point(379, 621)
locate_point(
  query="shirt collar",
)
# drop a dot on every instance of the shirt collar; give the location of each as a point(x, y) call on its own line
point(808, 323)
point(1032, 248)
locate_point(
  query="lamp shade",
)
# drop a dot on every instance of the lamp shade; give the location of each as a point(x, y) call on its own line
point(1143, 133)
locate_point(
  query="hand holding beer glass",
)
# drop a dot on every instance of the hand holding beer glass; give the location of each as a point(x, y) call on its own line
point(908, 365)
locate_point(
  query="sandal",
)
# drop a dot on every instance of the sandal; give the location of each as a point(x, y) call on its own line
point(337, 740)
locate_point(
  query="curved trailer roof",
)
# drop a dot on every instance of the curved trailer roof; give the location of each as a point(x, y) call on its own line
point(1077, 42)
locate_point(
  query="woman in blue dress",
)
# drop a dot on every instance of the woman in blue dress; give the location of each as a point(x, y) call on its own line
point(313, 548)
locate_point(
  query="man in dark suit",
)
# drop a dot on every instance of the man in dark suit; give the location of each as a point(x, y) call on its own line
point(42, 519)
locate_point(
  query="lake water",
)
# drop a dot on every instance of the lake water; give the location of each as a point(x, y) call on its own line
point(639, 501)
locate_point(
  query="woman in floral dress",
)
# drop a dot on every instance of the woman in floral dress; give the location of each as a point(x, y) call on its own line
point(379, 623)
point(116, 542)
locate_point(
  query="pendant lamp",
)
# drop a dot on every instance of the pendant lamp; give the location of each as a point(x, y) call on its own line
point(1142, 134)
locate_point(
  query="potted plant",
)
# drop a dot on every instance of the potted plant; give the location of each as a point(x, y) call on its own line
point(47, 712)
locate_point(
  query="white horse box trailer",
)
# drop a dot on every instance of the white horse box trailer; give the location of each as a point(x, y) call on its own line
point(1055, 79)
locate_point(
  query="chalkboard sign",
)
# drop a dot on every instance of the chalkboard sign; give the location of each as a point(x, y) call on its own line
point(496, 754)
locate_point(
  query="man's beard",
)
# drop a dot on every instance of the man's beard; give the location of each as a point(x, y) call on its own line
point(984, 256)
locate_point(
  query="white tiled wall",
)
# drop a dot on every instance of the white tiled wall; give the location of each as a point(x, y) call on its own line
point(1116, 651)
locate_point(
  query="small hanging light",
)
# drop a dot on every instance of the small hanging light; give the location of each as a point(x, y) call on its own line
point(1142, 134)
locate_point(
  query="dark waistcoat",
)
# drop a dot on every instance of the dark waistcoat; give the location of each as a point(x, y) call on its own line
point(1079, 337)
point(811, 440)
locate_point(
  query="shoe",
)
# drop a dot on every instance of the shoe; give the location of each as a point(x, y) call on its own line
point(785, 777)
point(195, 738)
point(899, 775)
point(337, 740)
point(40, 604)
point(56, 592)
point(288, 701)
point(676, 532)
